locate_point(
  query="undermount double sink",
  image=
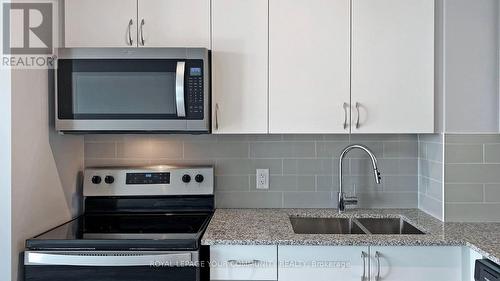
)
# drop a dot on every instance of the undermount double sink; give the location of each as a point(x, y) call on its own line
point(394, 226)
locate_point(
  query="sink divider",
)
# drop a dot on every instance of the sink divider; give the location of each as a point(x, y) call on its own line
point(360, 225)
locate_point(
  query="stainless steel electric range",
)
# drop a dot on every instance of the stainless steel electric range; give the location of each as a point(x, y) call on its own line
point(138, 224)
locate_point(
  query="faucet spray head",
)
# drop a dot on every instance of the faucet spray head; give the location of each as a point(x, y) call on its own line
point(378, 178)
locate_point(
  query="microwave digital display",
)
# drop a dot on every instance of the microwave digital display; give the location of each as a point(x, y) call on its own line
point(195, 71)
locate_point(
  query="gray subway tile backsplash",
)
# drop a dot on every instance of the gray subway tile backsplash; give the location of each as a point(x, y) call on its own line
point(430, 174)
point(492, 193)
point(283, 149)
point(100, 149)
point(457, 173)
point(464, 153)
point(249, 199)
point(320, 199)
point(303, 168)
point(430, 205)
point(492, 153)
point(460, 193)
point(213, 150)
point(401, 149)
point(233, 183)
point(476, 212)
point(247, 166)
point(472, 175)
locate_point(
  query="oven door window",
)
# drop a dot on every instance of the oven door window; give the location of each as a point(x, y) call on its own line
point(119, 89)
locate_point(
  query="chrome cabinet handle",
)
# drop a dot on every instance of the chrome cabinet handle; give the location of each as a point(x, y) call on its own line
point(363, 257)
point(345, 105)
point(357, 118)
point(377, 256)
point(217, 116)
point(243, 262)
point(130, 41)
point(142, 32)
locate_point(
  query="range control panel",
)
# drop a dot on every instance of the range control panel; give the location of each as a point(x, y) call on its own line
point(147, 178)
point(149, 181)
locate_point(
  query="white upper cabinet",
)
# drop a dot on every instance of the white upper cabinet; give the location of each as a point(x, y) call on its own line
point(100, 23)
point(309, 42)
point(239, 64)
point(393, 66)
point(415, 263)
point(133, 23)
point(174, 23)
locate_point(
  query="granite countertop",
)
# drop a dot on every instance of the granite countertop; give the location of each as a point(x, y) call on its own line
point(273, 227)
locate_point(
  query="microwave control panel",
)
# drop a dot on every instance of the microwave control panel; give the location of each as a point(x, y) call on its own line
point(195, 90)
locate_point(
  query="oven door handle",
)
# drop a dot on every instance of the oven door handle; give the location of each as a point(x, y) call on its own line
point(101, 259)
point(179, 88)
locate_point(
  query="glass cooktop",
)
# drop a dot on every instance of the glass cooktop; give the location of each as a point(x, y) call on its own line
point(125, 231)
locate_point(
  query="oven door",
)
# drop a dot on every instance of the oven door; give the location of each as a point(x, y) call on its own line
point(131, 95)
point(110, 266)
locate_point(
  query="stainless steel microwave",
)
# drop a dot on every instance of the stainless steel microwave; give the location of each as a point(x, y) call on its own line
point(133, 91)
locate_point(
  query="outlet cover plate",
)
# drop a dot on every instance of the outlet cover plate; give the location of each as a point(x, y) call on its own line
point(262, 179)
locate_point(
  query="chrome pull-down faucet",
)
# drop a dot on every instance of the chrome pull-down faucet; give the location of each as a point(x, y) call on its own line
point(344, 200)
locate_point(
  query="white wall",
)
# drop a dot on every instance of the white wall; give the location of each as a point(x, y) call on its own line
point(45, 165)
point(5, 179)
point(5, 167)
point(471, 58)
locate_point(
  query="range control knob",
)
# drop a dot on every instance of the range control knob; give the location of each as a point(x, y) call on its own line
point(109, 179)
point(186, 178)
point(199, 178)
point(96, 179)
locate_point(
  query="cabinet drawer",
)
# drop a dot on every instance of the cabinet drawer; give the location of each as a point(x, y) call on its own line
point(243, 262)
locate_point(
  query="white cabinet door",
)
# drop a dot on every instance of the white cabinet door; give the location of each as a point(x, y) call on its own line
point(416, 263)
point(393, 66)
point(100, 23)
point(239, 64)
point(322, 263)
point(174, 23)
point(238, 262)
point(309, 42)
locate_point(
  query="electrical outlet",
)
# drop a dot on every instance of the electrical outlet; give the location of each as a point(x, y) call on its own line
point(262, 179)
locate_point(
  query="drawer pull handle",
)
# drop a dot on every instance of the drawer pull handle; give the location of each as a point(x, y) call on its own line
point(130, 41)
point(363, 257)
point(345, 105)
point(243, 262)
point(217, 116)
point(142, 32)
point(377, 256)
point(357, 118)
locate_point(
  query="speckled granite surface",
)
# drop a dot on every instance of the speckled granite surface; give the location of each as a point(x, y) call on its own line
point(273, 227)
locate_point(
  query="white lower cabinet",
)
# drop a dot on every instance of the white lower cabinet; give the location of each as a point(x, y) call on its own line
point(322, 263)
point(345, 263)
point(235, 262)
point(416, 263)
point(340, 263)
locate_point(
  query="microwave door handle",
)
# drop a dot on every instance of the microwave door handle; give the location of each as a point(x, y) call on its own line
point(179, 88)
